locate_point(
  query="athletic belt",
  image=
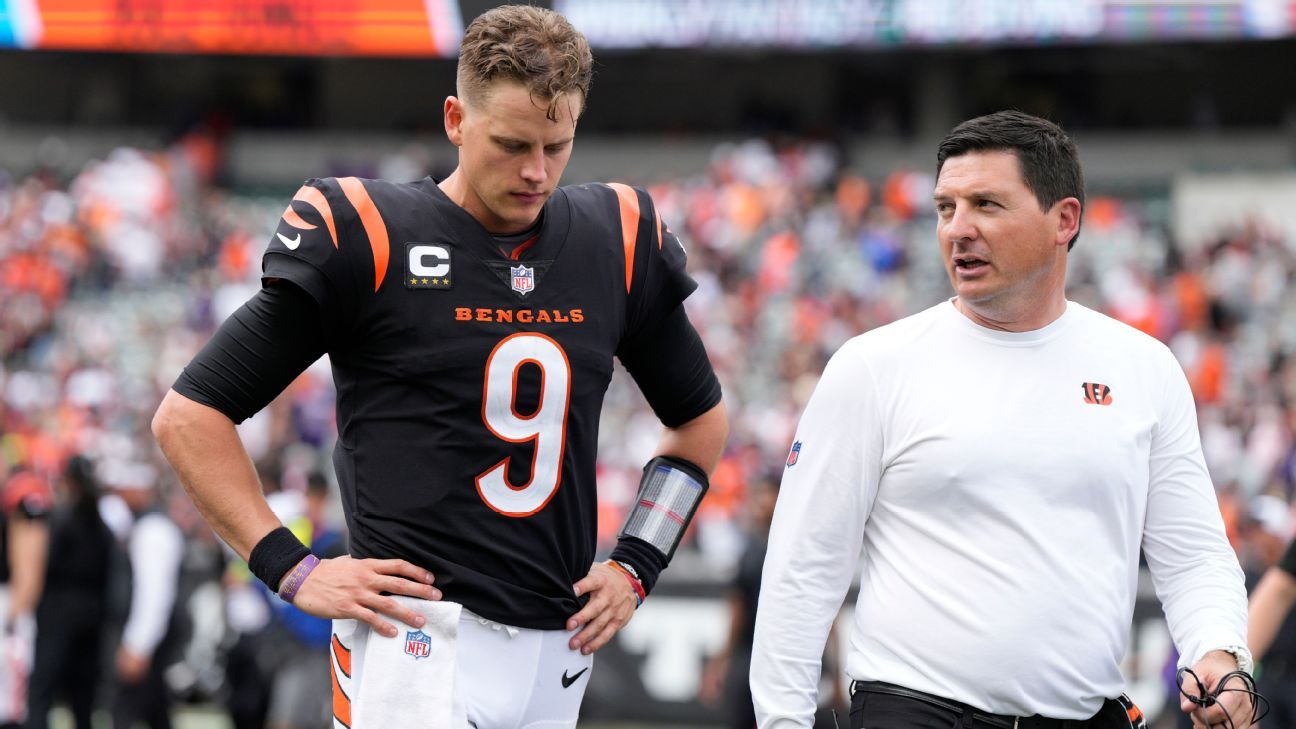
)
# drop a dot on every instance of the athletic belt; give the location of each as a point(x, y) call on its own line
point(999, 720)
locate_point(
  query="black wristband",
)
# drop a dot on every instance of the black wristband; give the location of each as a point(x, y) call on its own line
point(642, 557)
point(276, 553)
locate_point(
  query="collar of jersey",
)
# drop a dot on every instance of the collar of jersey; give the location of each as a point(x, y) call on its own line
point(467, 231)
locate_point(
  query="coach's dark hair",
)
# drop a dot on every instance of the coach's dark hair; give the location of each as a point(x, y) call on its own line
point(532, 46)
point(1050, 166)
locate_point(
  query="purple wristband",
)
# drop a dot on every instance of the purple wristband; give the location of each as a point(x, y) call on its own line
point(293, 581)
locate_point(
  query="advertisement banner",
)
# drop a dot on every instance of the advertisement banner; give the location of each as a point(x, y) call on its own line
point(424, 28)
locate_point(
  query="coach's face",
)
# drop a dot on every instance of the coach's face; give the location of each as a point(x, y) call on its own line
point(1005, 256)
point(511, 154)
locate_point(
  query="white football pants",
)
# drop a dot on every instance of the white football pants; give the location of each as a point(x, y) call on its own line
point(460, 671)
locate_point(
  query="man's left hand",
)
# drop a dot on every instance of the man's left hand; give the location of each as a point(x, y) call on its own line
point(1210, 669)
point(611, 605)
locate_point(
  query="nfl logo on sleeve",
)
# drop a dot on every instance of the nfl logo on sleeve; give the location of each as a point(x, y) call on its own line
point(794, 454)
point(418, 644)
point(522, 279)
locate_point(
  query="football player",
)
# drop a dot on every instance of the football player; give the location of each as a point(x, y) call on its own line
point(471, 324)
point(25, 502)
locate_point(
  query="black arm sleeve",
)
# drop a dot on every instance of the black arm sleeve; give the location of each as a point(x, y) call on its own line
point(670, 366)
point(256, 353)
point(1288, 562)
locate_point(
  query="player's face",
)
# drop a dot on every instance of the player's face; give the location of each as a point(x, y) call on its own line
point(1005, 256)
point(511, 154)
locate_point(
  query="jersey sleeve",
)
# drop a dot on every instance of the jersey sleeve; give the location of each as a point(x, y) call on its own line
point(656, 279)
point(26, 496)
point(671, 368)
point(318, 247)
point(256, 353)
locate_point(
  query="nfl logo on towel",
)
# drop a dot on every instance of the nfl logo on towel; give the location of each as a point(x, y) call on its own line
point(418, 644)
point(523, 279)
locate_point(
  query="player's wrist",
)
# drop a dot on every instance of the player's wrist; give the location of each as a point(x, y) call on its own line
point(640, 559)
point(1240, 655)
point(632, 576)
point(277, 554)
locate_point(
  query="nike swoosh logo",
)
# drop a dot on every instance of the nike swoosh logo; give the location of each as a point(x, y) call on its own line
point(292, 243)
point(569, 680)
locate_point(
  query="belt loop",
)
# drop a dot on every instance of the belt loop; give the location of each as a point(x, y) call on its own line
point(966, 719)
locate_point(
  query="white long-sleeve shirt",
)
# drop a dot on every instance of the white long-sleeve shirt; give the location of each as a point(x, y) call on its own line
point(156, 548)
point(1000, 517)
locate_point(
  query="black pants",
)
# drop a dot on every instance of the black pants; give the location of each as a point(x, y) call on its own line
point(247, 682)
point(876, 709)
point(146, 701)
point(68, 642)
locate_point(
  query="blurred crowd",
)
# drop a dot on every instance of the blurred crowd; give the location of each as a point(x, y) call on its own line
point(112, 280)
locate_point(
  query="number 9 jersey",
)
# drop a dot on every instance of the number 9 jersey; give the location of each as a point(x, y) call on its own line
point(470, 380)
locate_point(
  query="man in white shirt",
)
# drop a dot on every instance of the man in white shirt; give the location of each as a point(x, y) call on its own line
point(155, 547)
point(1000, 458)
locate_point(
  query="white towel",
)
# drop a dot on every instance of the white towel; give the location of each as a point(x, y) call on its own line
point(406, 682)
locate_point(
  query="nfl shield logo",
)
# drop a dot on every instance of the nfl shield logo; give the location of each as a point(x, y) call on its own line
point(418, 644)
point(523, 279)
point(794, 454)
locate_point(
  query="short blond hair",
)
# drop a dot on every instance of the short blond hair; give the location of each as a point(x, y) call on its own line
point(532, 46)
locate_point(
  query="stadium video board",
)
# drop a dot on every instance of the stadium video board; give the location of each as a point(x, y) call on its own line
point(426, 28)
point(433, 28)
point(829, 24)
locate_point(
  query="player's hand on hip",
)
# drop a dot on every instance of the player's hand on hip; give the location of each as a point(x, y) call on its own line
point(1232, 709)
point(344, 587)
point(611, 605)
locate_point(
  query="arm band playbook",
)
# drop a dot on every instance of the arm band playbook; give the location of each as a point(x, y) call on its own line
point(669, 494)
point(276, 553)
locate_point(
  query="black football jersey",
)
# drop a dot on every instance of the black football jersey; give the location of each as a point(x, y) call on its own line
point(470, 382)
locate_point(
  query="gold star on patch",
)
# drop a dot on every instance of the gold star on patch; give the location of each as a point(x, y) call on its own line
point(413, 280)
point(425, 281)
